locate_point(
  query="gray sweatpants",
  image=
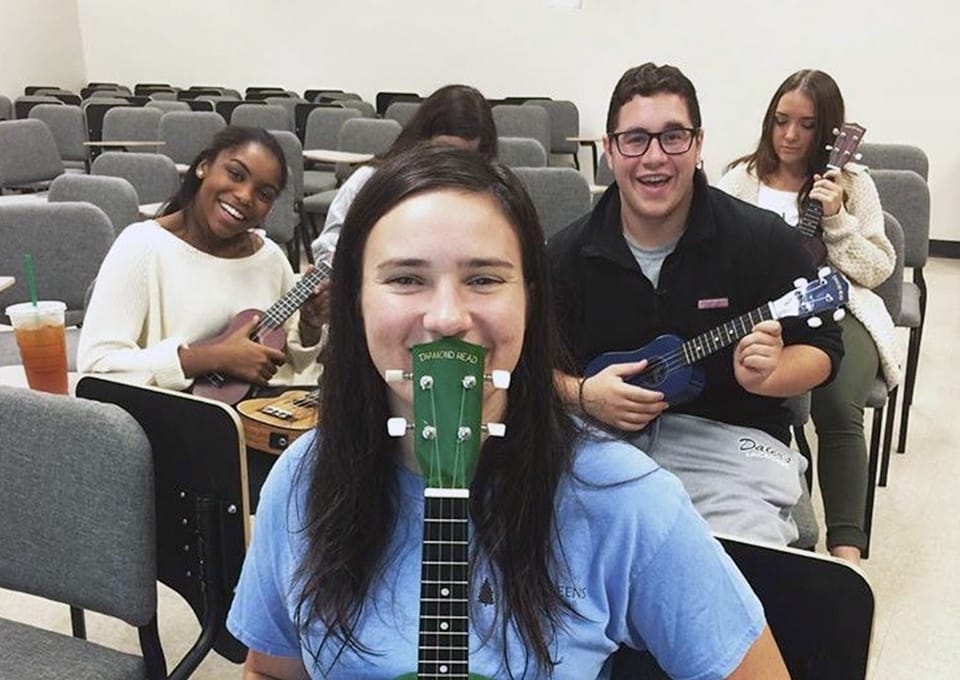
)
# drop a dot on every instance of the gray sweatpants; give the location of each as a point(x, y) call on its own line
point(741, 480)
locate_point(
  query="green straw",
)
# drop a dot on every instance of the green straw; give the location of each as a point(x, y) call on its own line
point(31, 277)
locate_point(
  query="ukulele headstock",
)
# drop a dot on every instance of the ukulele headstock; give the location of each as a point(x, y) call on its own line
point(828, 293)
point(448, 380)
point(845, 145)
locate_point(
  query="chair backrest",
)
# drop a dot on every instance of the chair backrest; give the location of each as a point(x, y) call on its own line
point(521, 152)
point(895, 157)
point(6, 108)
point(891, 290)
point(28, 153)
point(564, 122)
point(365, 108)
point(386, 98)
point(402, 112)
point(22, 105)
point(323, 127)
point(165, 105)
point(268, 117)
point(94, 111)
point(523, 121)
point(68, 129)
point(77, 501)
point(153, 176)
point(115, 196)
point(560, 195)
point(905, 195)
point(293, 152)
point(68, 242)
point(289, 105)
point(165, 96)
point(820, 610)
point(200, 471)
point(132, 123)
point(365, 135)
point(186, 133)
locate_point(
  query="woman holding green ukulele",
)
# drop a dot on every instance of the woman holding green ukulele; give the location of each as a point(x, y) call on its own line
point(577, 543)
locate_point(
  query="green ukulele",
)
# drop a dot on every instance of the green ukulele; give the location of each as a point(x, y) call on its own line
point(448, 383)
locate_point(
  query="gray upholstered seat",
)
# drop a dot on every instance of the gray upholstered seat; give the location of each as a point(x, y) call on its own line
point(895, 157)
point(289, 106)
point(29, 158)
point(402, 112)
point(68, 242)
point(69, 132)
point(153, 176)
point(560, 195)
point(905, 195)
point(521, 152)
point(564, 122)
point(6, 108)
point(115, 196)
point(77, 501)
point(523, 121)
point(186, 133)
point(323, 129)
point(283, 222)
point(266, 116)
point(165, 105)
point(132, 123)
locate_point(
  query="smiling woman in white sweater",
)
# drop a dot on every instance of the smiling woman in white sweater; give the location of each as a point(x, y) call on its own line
point(170, 282)
point(782, 175)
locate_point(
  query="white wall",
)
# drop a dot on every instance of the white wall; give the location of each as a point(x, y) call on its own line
point(39, 45)
point(894, 64)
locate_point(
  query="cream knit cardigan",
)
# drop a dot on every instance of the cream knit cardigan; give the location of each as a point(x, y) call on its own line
point(857, 246)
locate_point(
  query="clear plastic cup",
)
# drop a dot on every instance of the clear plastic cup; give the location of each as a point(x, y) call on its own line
point(42, 342)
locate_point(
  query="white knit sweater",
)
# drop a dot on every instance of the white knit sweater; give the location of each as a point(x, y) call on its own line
point(856, 245)
point(155, 292)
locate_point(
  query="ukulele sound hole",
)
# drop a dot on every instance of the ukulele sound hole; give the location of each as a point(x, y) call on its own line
point(656, 372)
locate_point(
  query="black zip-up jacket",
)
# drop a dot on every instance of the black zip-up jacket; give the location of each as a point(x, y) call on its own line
point(732, 258)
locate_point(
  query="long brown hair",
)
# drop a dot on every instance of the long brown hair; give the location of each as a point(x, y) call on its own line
point(352, 497)
point(828, 112)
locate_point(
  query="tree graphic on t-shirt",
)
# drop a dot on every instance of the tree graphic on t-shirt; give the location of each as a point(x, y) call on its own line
point(486, 593)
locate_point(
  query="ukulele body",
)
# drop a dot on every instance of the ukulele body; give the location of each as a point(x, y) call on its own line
point(680, 382)
point(231, 389)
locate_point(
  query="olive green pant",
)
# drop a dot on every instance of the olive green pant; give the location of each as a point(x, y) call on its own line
point(837, 411)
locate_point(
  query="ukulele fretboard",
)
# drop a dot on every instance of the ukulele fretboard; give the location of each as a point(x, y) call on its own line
point(444, 603)
point(809, 224)
point(296, 296)
point(724, 335)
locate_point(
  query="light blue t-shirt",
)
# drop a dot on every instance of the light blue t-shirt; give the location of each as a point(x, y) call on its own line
point(640, 568)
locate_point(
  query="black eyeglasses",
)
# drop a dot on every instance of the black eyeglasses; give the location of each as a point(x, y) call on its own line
point(675, 141)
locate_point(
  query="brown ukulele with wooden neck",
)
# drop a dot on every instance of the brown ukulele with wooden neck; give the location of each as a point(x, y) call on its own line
point(272, 424)
point(843, 150)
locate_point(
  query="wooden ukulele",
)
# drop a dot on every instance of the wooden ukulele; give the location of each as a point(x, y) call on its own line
point(269, 332)
point(448, 384)
point(843, 150)
point(673, 367)
point(273, 423)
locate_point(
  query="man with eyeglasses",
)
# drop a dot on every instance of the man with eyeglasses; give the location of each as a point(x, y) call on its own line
point(663, 252)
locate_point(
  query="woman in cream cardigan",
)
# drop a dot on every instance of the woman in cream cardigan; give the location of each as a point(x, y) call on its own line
point(782, 174)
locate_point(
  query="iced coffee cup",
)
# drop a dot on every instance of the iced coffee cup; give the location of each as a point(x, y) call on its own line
point(42, 342)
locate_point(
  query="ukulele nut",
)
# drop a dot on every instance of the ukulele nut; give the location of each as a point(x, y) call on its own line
point(468, 382)
point(464, 433)
point(429, 432)
point(426, 382)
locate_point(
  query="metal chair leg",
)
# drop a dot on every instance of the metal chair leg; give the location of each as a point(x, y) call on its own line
point(888, 434)
point(872, 465)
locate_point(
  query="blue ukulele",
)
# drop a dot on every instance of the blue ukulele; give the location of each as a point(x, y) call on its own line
point(448, 384)
point(673, 364)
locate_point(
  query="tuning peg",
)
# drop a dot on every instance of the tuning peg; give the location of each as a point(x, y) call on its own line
point(814, 322)
point(838, 314)
point(499, 378)
point(836, 131)
point(397, 427)
point(395, 375)
point(829, 147)
point(800, 283)
point(824, 272)
point(857, 156)
point(495, 429)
